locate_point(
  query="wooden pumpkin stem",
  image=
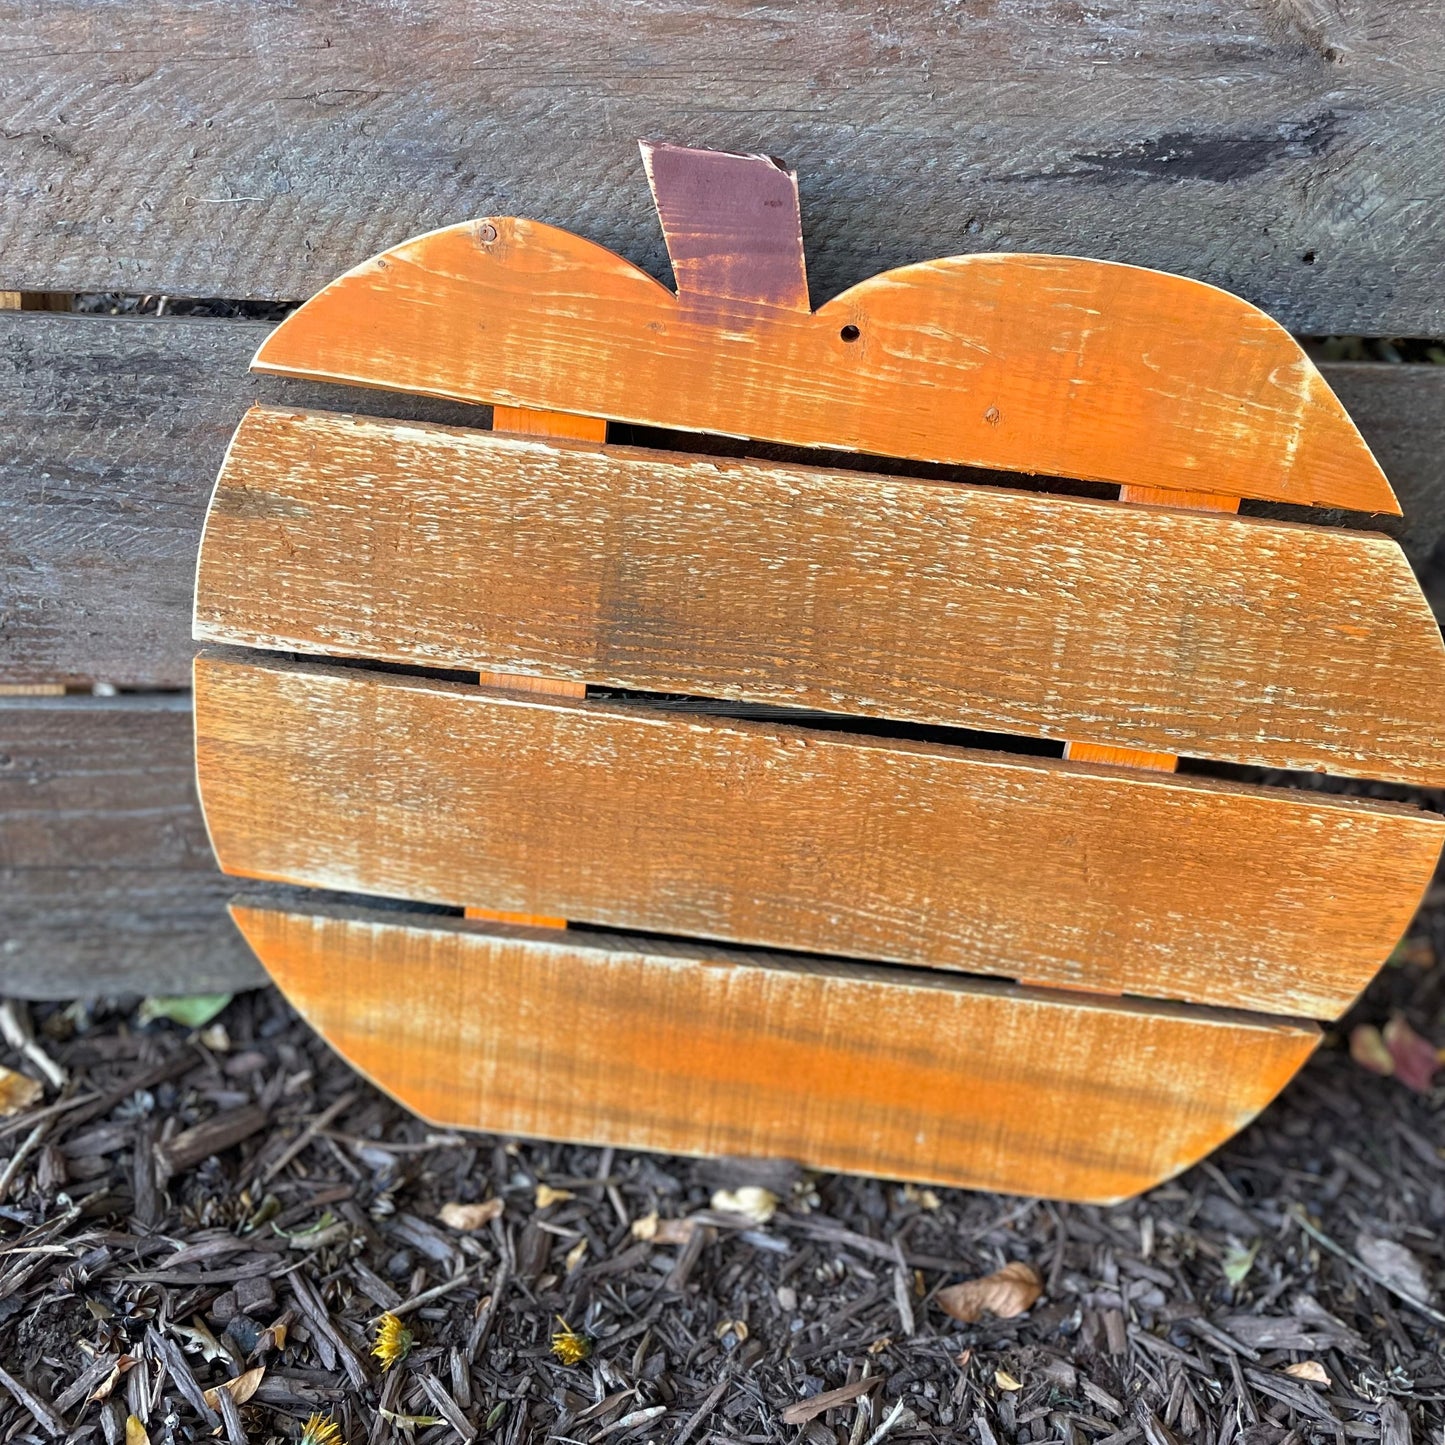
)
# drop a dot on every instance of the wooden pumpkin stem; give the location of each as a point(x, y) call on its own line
point(732, 225)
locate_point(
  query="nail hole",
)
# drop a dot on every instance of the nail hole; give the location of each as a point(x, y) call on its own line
point(850, 333)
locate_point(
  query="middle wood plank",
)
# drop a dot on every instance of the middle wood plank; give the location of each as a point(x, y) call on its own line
point(1146, 628)
point(1097, 878)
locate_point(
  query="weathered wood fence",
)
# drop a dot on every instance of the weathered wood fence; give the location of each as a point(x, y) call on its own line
point(1288, 152)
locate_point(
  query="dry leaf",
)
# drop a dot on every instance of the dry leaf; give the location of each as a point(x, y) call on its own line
point(653, 1229)
point(925, 1198)
point(1310, 1370)
point(408, 1423)
point(1367, 1049)
point(17, 1091)
point(1395, 1265)
point(1005, 1293)
point(635, 1418)
point(195, 1336)
point(240, 1389)
point(802, 1411)
point(1416, 1059)
point(470, 1216)
point(102, 1391)
point(216, 1039)
point(1399, 1052)
point(1006, 1381)
point(547, 1195)
point(135, 1431)
point(752, 1201)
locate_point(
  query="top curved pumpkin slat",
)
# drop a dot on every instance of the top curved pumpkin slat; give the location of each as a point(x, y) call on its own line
point(1046, 364)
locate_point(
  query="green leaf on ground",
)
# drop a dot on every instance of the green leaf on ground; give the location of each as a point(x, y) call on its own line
point(1238, 1262)
point(191, 1011)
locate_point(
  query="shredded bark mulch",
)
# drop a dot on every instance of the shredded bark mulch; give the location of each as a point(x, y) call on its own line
point(184, 1207)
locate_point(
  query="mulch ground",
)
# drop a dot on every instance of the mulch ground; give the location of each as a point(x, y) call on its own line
point(187, 1206)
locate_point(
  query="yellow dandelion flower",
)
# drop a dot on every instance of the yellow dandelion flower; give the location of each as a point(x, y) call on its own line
point(393, 1341)
point(320, 1430)
point(568, 1345)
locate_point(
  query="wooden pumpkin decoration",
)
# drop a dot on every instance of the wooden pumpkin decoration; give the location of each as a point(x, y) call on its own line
point(993, 965)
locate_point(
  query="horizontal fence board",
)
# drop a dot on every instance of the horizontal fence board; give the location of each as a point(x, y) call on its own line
point(107, 884)
point(1185, 632)
point(649, 1045)
point(1278, 151)
point(1104, 879)
point(1400, 411)
point(111, 434)
point(114, 429)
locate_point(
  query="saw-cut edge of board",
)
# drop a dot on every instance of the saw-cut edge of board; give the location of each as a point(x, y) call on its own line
point(1058, 365)
point(1208, 635)
point(1089, 876)
point(695, 1050)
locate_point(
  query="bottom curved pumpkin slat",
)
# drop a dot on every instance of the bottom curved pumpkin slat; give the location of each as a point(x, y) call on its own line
point(636, 1043)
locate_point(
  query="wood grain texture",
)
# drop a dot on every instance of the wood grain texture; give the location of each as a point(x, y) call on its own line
point(107, 883)
point(1277, 150)
point(732, 226)
point(1008, 611)
point(1050, 364)
point(539, 424)
point(548, 423)
point(1401, 412)
point(1124, 757)
point(825, 843)
point(1164, 497)
point(1139, 757)
point(704, 1051)
point(114, 429)
point(100, 518)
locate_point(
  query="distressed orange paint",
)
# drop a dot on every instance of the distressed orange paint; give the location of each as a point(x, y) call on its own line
point(702, 1050)
point(543, 560)
point(1049, 364)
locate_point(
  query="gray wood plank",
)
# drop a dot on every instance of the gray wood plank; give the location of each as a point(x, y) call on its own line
point(1286, 151)
point(111, 434)
point(107, 884)
point(1401, 412)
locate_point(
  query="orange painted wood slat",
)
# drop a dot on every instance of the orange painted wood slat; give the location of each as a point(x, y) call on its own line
point(1121, 757)
point(1138, 627)
point(548, 424)
point(1048, 364)
point(705, 1051)
point(528, 920)
point(1164, 497)
point(901, 851)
